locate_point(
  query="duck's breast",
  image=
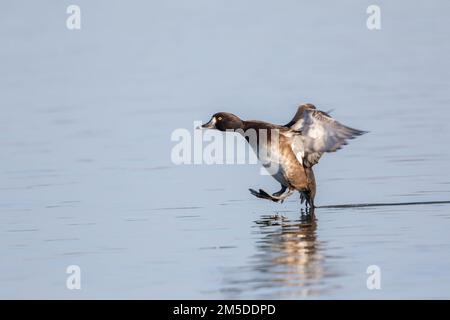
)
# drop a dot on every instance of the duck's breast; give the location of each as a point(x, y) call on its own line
point(277, 157)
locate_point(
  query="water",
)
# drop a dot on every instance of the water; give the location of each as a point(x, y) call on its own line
point(86, 175)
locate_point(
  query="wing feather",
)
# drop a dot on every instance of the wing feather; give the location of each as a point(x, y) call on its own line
point(317, 133)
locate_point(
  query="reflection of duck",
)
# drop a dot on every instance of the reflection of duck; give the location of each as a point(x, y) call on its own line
point(292, 255)
point(289, 261)
point(295, 243)
point(289, 151)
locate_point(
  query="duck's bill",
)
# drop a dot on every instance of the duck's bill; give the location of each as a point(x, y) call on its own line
point(210, 125)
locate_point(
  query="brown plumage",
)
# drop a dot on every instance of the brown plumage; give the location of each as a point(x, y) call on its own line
point(289, 152)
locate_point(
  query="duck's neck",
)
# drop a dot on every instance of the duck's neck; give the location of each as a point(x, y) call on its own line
point(246, 125)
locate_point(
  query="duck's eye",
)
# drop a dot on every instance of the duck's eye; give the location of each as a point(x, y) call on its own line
point(219, 118)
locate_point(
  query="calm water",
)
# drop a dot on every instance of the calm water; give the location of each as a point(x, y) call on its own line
point(86, 177)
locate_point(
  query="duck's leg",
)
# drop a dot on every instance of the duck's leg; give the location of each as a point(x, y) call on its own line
point(279, 193)
point(305, 196)
point(278, 196)
point(302, 197)
point(282, 195)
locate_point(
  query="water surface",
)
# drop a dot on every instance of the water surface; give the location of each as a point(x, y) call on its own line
point(86, 177)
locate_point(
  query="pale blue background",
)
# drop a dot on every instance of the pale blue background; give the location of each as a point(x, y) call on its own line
point(86, 176)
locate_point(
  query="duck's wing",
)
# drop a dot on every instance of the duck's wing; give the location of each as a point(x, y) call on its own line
point(317, 132)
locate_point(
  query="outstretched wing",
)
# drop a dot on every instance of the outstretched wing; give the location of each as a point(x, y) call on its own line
point(318, 132)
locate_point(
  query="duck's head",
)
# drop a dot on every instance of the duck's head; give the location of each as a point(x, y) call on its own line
point(224, 121)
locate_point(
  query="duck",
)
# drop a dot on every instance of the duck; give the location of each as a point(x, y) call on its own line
point(290, 151)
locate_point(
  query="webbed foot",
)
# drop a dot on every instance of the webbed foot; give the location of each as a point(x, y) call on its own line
point(263, 195)
point(274, 197)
